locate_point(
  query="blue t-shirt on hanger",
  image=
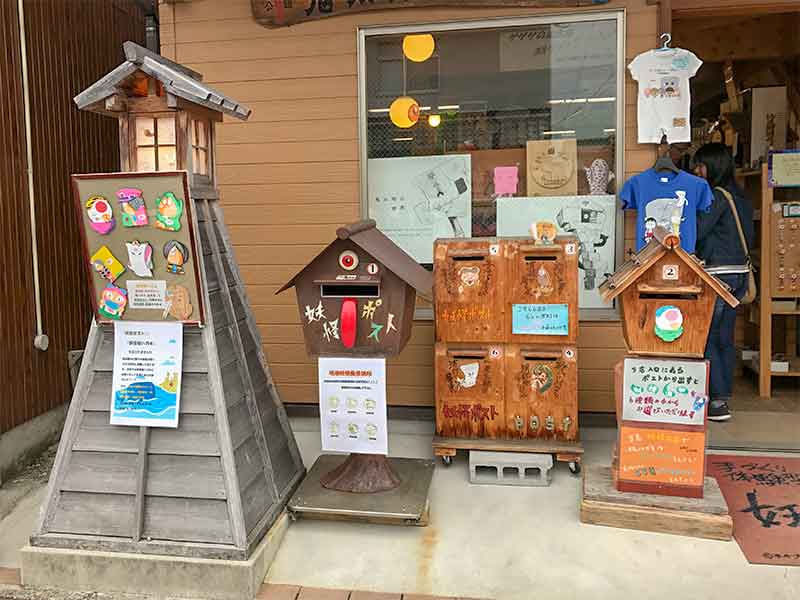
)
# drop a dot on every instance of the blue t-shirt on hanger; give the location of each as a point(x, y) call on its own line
point(669, 199)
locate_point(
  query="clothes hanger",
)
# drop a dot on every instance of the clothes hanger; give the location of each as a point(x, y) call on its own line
point(667, 42)
point(664, 162)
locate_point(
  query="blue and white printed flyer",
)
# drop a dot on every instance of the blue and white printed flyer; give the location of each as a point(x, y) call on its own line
point(146, 389)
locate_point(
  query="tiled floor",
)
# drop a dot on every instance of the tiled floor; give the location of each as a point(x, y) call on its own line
point(9, 576)
point(290, 592)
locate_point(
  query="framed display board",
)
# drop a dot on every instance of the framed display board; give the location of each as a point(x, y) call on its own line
point(139, 246)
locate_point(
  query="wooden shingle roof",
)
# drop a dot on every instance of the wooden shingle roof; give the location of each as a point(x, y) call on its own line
point(176, 79)
point(662, 243)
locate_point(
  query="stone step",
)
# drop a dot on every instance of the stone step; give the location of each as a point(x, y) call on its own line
point(510, 468)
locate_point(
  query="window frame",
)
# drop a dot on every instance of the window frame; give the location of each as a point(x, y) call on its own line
point(585, 314)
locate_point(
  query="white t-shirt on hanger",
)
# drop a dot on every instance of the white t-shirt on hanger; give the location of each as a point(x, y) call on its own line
point(664, 95)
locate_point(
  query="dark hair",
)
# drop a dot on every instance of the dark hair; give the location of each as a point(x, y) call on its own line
point(181, 248)
point(718, 161)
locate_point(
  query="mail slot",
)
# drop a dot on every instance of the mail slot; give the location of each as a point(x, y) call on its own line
point(541, 299)
point(468, 280)
point(541, 392)
point(469, 391)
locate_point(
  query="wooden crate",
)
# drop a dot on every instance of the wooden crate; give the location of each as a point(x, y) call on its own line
point(470, 391)
point(468, 276)
point(543, 277)
point(541, 392)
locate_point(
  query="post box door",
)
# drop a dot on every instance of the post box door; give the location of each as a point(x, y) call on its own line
point(542, 292)
point(468, 276)
point(469, 391)
point(541, 392)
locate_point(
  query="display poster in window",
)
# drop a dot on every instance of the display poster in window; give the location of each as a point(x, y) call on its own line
point(591, 218)
point(140, 249)
point(146, 384)
point(661, 456)
point(666, 392)
point(552, 167)
point(352, 405)
point(559, 46)
point(416, 200)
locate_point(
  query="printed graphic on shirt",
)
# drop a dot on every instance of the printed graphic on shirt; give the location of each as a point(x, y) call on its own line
point(664, 94)
point(666, 212)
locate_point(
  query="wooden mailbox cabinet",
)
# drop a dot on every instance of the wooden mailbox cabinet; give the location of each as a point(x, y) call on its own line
point(667, 299)
point(506, 330)
point(356, 298)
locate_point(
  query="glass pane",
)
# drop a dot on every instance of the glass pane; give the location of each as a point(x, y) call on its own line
point(166, 130)
point(166, 158)
point(202, 162)
point(145, 131)
point(526, 112)
point(146, 159)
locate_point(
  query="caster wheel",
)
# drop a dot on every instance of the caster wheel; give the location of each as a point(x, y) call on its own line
point(447, 460)
point(574, 467)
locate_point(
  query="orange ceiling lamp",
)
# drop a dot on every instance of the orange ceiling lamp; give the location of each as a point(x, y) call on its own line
point(404, 112)
point(419, 47)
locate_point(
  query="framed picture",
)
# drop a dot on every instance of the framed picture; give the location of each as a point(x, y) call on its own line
point(139, 246)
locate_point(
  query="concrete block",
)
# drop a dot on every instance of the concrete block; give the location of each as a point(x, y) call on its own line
point(510, 468)
point(161, 576)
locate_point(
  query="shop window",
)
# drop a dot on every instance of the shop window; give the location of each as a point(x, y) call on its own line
point(155, 143)
point(489, 130)
point(199, 141)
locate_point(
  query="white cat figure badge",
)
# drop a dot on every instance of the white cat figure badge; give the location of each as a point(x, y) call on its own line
point(140, 258)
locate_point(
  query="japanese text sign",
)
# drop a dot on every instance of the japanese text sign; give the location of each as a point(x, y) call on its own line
point(661, 456)
point(540, 319)
point(665, 391)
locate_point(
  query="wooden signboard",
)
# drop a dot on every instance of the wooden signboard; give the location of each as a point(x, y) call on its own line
point(139, 246)
point(278, 13)
point(661, 410)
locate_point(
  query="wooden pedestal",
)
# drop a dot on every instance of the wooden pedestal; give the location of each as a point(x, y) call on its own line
point(602, 504)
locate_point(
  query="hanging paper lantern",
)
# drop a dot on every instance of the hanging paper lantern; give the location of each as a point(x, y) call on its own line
point(418, 48)
point(435, 120)
point(404, 112)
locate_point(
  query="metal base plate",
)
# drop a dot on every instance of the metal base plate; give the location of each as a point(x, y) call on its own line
point(404, 505)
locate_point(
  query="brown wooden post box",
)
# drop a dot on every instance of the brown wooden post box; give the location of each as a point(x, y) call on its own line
point(541, 392)
point(356, 298)
point(541, 295)
point(469, 391)
point(469, 274)
point(667, 299)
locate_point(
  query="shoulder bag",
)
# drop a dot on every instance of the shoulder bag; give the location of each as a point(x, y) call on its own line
point(752, 288)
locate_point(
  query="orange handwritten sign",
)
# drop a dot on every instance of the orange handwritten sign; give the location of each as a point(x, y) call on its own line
point(661, 456)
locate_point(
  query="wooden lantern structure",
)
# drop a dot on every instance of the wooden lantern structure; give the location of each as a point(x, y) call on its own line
point(357, 298)
point(657, 280)
point(214, 486)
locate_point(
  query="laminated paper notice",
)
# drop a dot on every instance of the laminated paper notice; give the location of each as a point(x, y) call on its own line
point(352, 405)
point(146, 384)
point(147, 294)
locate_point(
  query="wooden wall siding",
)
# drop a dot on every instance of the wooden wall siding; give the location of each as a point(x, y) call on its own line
point(290, 175)
point(70, 45)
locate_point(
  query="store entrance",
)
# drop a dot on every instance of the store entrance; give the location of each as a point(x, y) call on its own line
point(747, 95)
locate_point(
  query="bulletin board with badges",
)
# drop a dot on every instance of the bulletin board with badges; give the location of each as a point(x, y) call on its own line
point(139, 246)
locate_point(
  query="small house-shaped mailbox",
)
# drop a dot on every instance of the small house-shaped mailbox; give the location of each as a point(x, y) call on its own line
point(667, 299)
point(357, 296)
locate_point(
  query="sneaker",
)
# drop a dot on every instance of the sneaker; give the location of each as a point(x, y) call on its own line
point(718, 411)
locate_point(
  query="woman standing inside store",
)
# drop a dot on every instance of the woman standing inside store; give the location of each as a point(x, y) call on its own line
point(719, 244)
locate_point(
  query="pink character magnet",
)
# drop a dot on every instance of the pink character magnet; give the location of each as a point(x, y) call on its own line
point(134, 211)
point(101, 217)
point(113, 301)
